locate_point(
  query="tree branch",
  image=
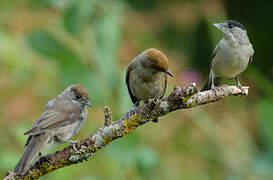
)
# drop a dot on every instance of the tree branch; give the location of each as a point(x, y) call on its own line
point(180, 98)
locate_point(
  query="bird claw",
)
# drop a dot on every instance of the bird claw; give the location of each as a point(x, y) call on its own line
point(155, 120)
point(242, 89)
point(40, 154)
point(132, 109)
point(74, 143)
point(74, 147)
point(239, 85)
point(71, 141)
point(213, 87)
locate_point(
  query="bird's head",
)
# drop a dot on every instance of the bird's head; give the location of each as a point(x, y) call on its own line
point(80, 94)
point(156, 61)
point(233, 30)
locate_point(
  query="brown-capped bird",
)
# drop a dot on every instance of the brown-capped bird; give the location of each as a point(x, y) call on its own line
point(61, 119)
point(146, 76)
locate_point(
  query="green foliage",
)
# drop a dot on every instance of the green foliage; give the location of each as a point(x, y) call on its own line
point(265, 124)
point(47, 45)
point(104, 43)
point(78, 15)
point(71, 67)
point(143, 4)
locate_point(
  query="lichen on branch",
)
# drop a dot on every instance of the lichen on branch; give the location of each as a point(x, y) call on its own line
point(180, 98)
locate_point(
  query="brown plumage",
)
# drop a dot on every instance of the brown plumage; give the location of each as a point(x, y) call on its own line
point(146, 76)
point(80, 90)
point(61, 119)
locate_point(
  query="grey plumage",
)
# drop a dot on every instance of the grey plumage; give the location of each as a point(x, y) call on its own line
point(231, 55)
point(33, 146)
point(61, 119)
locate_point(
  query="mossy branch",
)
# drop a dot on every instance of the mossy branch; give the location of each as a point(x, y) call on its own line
point(180, 98)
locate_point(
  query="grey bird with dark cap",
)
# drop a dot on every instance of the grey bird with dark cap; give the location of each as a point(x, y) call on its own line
point(61, 119)
point(231, 55)
point(146, 76)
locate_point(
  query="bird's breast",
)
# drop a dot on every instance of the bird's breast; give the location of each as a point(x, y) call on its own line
point(144, 88)
point(64, 133)
point(230, 61)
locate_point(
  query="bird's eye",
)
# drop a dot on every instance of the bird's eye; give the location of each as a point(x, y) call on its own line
point(78, 96)
point(158, 68)
point(231, 25)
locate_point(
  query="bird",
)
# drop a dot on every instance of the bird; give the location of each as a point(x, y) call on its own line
point(231, 56)
point(60, 120)
point(146, 76)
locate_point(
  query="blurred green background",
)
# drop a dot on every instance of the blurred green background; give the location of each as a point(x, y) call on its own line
point(46, 45)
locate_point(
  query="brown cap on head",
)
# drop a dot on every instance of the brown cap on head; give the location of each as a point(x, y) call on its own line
point(79, 89)
point(159, 58)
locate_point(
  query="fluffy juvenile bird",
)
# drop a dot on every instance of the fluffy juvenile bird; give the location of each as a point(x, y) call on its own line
point(231, 55)
point(61, 119)
point(146, 76)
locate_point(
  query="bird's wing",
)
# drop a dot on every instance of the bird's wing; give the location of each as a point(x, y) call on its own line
point(250, 59)
point(128, 72)
point(207, 84)
point(213, 55)
point(165, 86)
point(251, 54)
point(52, 118)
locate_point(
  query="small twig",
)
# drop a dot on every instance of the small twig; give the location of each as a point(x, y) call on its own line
point(107, 116)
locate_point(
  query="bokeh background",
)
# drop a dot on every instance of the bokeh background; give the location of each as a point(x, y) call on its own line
point(46, 45)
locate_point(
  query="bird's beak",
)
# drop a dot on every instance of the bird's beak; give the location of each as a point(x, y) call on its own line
point(169, 72)
point(220, 26)
point(86, 102)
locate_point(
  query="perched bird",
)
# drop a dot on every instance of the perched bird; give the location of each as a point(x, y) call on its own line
point(231, 55)
point(61, 119)
point(146, 76)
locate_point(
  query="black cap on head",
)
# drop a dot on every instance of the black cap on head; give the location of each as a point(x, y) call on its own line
point(232, 24)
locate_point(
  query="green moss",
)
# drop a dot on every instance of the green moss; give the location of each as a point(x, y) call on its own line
point(34, 175)
point(116, 133)
point(114, 130)
point(191, 105)
point(107, 140)
point(131, 124)
point(45, 168)
point(94, 148)
point(184, 103)
point(82, 154)
point(74, 158)
point(184, 99)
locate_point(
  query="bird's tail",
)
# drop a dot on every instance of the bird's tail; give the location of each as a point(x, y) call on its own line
point(207, 85)
point(33, 146)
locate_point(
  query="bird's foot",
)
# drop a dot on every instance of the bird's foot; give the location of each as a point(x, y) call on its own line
point(153, 103)
point(242, 89)
point(213, 87)
point(71, 141)
point(155, 120)
point(40, 154)
point(239, 85)
point(74, 144)
point(132, 109)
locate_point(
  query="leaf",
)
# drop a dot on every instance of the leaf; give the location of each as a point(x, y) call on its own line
point(46, 44)
point(72, 21)
point(107, 32)
point(77, 15)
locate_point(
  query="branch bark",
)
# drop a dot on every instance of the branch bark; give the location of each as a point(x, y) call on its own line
point(180, 98)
